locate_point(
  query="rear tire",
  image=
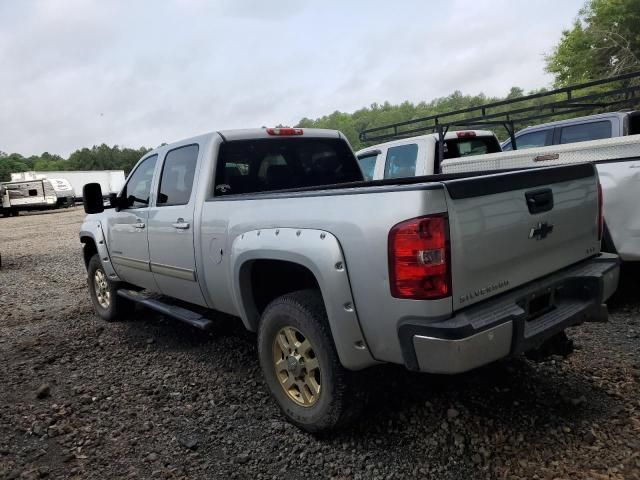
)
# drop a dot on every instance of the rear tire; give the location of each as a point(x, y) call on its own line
point(104, 293)
point(301, 366)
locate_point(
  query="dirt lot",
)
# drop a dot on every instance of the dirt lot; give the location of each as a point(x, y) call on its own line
point(151, 398)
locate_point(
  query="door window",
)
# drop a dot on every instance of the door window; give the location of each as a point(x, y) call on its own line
point(585, 131)
point(368, 164)
point(138, 188)
point(534, 139)
point(401, 161)
point(176, 180)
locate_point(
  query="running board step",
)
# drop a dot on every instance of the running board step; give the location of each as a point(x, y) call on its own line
point(179, 313)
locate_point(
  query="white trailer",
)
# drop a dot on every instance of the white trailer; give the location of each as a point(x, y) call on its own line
point(111, 181)
point(28, 195)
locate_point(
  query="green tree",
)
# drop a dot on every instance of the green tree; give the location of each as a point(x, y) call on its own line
point(98, 157)
point(604, 41)
point(515, 92)
point(10, 164)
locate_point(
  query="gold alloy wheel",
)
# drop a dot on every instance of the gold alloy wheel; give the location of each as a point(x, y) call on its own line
point(297, 367)
point(101, 287)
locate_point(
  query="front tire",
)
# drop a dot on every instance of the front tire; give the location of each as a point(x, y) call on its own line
point(104, 293)
point(301, 365)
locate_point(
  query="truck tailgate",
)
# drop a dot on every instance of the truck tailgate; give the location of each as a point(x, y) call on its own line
point(510, 228)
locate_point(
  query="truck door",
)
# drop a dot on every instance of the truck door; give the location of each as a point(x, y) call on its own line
point(171, 227)
point(127, 228)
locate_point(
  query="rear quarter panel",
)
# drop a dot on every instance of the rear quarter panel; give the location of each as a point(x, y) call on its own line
point(359, 220)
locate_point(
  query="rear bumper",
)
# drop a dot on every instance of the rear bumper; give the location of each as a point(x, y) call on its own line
point(512, 323)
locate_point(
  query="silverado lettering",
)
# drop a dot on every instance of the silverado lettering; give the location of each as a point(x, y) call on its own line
point(484, 291)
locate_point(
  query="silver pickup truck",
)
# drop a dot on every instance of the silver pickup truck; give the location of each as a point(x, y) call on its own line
point(441, 274)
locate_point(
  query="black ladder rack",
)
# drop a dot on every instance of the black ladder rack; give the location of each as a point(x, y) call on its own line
point(619, 91)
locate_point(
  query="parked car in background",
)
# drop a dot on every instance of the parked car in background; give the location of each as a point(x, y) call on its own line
point(580, 129)
point(110, 181)
point(416, 156)
point(277, 226)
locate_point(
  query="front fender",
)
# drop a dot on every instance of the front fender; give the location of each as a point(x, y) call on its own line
point(321, 254)
point(92, 229)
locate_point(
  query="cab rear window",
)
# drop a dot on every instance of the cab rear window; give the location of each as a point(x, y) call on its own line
point(467, 146)
point(262, 165)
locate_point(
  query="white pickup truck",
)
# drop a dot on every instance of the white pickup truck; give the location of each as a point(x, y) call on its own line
point(277, 226)
point(418, 156)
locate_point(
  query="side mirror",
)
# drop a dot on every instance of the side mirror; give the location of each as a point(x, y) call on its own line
point(92, 198)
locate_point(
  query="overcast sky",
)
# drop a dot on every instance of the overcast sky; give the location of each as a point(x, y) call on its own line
point(75, 73)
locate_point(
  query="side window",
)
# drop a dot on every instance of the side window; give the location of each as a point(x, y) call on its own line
point(534, 139)
point(585, 131)
point(138, 187)
point(367, 165)
point(401, 161)
point(176, 180)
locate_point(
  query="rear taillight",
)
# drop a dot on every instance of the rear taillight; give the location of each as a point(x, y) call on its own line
point(600, 212)
point(419, 258)
point(284, 131)
point(465, 134)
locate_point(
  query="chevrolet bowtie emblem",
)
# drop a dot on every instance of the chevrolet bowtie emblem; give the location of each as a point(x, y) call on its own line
point(540, 231)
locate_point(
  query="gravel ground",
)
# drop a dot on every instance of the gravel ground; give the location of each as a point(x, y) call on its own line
point(151, 398)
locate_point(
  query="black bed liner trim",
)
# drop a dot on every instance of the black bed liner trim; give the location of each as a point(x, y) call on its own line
point(517, 180)
point(461, 183)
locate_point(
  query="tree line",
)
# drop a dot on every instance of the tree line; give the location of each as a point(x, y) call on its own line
point(603, 41)
point(99, 157)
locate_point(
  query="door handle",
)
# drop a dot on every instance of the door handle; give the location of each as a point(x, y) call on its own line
point(181, 224)
point(139, 223)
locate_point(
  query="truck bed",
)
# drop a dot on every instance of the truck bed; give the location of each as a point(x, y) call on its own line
point(489, 228)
